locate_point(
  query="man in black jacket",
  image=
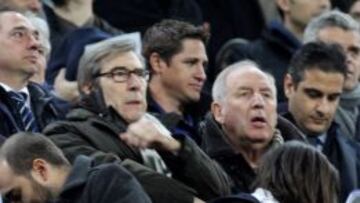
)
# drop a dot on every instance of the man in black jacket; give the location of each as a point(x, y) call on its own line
point(243, 123)
point(43, 174)
point(313, 86)
point(112, 124)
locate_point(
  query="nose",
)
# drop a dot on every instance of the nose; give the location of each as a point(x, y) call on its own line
point(323, 106)
point(134, 82)
point(34, 42)
point(258, 101)
point(200, 73)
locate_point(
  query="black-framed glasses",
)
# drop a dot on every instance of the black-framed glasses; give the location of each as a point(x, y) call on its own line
point(122, 74)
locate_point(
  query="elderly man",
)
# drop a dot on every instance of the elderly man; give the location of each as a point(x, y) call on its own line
point(42, 174)
point(242, 124)
point(340, 28)
point(177, 59)
point(313, 86)
point(112, 124)
point(24, 106)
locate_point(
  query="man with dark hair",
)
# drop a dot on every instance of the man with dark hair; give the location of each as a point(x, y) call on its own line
point(33, 169)
point(111, 123)
point(24, 106)
point(177, 58)
point(340, 28)
point(280, 40)
point(313, 86)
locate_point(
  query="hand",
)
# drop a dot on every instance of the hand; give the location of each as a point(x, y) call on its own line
point(148, 132)
point(65, 89)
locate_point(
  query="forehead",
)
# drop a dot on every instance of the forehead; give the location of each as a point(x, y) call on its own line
point(345, 38)
point(248, 77)
point(125, 59)
point(9, 20)
point(325, 82)
point(193, 47)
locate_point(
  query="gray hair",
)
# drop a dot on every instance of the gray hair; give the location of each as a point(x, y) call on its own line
point(90, 61)
point(219, 90)
point(44, 32)
point(332, 18)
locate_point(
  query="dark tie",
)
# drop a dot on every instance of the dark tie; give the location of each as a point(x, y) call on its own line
point(316, 142)
point(27, 116)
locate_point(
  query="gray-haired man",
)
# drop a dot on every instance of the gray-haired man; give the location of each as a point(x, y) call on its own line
point(112, 124)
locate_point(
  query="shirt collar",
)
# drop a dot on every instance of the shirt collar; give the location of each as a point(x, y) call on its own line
point(24, 90)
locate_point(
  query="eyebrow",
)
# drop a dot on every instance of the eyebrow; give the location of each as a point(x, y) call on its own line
point(23, 28)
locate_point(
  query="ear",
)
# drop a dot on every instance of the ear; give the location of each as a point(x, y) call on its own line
point(40, 170)
point(216, 110)
point(288, 85)
point(157, 63)
point(283, 5)
point(87, 88)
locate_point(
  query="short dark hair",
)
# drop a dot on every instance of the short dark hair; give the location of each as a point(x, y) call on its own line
point(297, 172)
point(317, 55)
point(165, 38)
point(21, 149)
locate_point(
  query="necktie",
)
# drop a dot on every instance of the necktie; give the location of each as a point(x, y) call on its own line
point(27, 116)
point(316, 142)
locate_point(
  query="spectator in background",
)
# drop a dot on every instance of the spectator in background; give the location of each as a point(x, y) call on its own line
point(25, 106)
point(279, 41)
point(313, 86)
point(176, 55)
point(243, 123)
point(45, 48)
point(111, 124)
point(34, 6)
point(34, 170)
point(340, 28)
point(64, 16)
point(139, 15)
point(62, 71)
point(292, 172)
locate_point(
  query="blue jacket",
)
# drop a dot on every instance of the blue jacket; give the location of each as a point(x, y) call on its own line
point(43, 104)
point(344, 154)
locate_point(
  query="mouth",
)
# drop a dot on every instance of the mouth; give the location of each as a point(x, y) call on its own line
point(258, 121)
point(197, 87)
point(319, 121)
point(133, 102)
point(32, 59)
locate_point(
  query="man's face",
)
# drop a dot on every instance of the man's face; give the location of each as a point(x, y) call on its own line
point(184, 76)
point(302, 11)
point(19, 44)
point(128, 98)
point(26, 5)
point(350, 42)
point(314, 101)
point(18, 188)
point(248, 113)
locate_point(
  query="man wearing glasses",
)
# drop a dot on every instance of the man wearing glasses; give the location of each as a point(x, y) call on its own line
point(112, 124)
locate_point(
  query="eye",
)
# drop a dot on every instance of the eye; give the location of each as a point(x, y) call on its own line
point(267, 94)
point(18, 34)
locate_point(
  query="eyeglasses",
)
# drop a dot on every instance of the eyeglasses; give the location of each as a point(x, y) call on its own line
point(122, 74)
